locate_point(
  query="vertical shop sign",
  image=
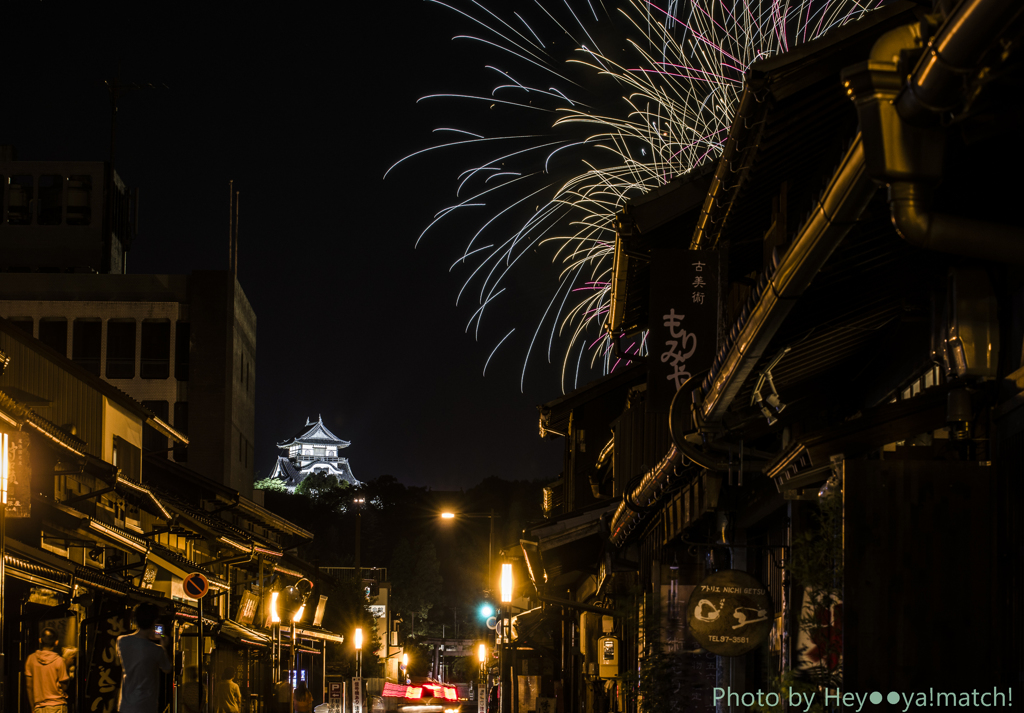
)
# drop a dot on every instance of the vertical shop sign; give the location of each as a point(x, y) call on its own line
point(104, 668)
point(19, 480)
point(683, 321)
point(357, 695)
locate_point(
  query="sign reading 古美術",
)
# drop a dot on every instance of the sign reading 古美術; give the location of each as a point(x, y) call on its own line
point(730, 613)
point(683, 321)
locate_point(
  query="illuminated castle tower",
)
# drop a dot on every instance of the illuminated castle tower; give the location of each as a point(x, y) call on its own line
point(314, 449)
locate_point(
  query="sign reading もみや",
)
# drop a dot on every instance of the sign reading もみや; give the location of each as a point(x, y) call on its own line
point(683, 321)
point(730, 613)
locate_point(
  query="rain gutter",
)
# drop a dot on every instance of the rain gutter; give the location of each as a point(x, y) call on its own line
point(904, 140)
point(737, 136)
point(626, 516)
point(845, 198)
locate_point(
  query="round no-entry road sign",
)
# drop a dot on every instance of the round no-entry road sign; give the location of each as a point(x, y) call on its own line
point(195, 585)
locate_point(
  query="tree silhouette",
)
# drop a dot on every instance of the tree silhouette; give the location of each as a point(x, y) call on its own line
point(320, 485)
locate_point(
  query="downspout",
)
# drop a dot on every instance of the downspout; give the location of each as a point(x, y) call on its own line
point(848, 193)
point(905, 144)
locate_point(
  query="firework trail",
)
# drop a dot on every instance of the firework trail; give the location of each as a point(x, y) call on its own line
point(593, 103)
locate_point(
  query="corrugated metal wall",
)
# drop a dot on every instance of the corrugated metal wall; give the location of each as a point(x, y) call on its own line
point(73, 402)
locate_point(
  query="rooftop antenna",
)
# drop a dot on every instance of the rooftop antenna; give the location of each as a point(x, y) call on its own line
point(233, 200)
point(114, 88)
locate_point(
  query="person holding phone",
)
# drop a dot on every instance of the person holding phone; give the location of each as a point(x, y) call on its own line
point(142, 656)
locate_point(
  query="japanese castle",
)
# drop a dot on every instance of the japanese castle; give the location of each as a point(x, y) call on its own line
point(314, 449)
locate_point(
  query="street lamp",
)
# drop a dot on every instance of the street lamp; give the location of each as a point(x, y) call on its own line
point(506, 626)
point(358, 638)
point(490, 547)
point(481, 689)
point(290, 604)
point(358, 503)
point(5, 471)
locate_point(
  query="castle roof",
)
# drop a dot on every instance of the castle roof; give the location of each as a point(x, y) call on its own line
point(315, 434)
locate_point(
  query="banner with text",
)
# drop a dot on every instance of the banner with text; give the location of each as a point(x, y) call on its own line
point(683, 321)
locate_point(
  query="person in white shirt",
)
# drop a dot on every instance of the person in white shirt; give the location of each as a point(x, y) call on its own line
point(228, 696)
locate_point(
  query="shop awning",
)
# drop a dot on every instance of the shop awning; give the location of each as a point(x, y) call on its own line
point(37, 574)
point(95, 579)
point(320, 634)
point(565, 545)
point(243, 635)
point(39, 567)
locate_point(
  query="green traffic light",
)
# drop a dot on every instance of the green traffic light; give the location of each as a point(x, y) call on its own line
point(486, 610)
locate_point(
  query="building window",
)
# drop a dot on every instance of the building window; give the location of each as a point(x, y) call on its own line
point(121, 349)
point(23, 323)
point(182, 349)
point(128, 459)
point(156, 348)
point(51, 200)
point(53, 332)
point(85, 344)
point(79, 198)
point(181, 424)
point(20, 199)
point(154, 442)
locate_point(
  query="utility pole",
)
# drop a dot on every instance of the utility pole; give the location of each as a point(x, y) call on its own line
point(358, 503)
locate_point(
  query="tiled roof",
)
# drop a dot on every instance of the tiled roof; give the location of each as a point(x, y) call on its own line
point(315, 433)
point(222, 527)
point(186, 564)
point(285, 471)
point(94, 578)
point(55, 433)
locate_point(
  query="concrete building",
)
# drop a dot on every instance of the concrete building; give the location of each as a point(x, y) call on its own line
point(65, 216)
point(183, 345)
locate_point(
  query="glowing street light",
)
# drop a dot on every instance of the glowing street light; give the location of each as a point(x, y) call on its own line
point(481, 653)
point(275, 618)
point(358, 639)
point(506, 582)
point(506, 599)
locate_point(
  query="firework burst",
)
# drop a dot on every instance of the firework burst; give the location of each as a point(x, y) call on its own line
point(605, 103)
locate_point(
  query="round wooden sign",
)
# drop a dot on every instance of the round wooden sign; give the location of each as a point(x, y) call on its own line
point(730, 613)
point(195, 585)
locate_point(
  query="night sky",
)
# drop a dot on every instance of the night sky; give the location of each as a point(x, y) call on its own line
point(305, 108)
